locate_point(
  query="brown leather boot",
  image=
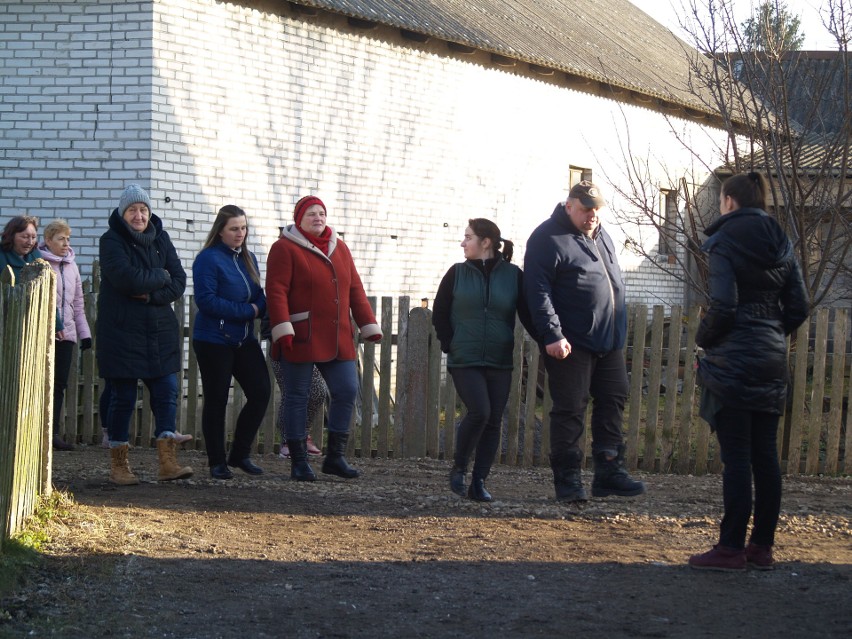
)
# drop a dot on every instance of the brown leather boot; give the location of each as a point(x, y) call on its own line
point(121, 473)
point(169, 469)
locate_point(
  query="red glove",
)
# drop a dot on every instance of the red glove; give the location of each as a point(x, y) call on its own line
point(285, 343)
point(375, 338)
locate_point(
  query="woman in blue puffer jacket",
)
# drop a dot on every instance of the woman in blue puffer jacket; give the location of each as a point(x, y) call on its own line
point(229, 298)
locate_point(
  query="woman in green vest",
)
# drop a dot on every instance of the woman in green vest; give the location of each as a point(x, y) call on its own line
point(474, 319)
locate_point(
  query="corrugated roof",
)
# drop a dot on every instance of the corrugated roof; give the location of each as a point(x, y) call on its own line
point(609, 41)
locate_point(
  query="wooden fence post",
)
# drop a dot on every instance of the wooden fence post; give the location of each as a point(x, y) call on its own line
point(416, 383)
point(401, 366)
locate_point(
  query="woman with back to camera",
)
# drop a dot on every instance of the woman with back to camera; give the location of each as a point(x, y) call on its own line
point(474, 319)
point(229, 298)
point(56, 250)
point(757, 297)
point(312, 287)
point(138, 334)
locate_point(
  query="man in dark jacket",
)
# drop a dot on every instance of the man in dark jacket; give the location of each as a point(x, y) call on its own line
point(576, 297)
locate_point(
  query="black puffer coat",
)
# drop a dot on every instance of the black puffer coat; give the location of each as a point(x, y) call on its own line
point(141, 275)
point(757, 296)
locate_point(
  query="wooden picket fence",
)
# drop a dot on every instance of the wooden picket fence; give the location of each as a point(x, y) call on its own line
point(27, 313)
point(408, 406)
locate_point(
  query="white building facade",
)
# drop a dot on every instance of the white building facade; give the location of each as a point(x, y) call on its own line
point(206, 103)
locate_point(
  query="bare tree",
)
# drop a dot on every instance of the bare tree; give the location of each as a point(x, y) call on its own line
point(787, 114)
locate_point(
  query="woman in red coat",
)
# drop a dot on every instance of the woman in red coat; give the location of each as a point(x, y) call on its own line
point(311, 288)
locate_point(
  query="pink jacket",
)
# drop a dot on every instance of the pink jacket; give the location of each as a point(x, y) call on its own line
point(69, 295)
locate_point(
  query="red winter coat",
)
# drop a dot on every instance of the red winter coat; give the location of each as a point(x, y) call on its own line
point(309, 295)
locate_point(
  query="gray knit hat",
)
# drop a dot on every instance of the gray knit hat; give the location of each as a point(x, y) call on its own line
point(133, 194)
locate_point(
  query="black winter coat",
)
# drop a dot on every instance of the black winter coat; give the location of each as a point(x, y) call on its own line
point(757, 297)
point(141, 275)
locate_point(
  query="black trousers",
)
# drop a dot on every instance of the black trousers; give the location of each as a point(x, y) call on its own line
point(747, 441)
point(61, 371)
point(218, 363)
point(572, 380)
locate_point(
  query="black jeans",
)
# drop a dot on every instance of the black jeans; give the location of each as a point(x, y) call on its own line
point(218, 363)
point(484, 392)
point(572, 381)
point(747, 440)
point(61, 371)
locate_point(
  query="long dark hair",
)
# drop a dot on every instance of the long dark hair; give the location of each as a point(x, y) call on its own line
point(227, 213)
point(484, 228)
point(14, 226)
point(747, 189)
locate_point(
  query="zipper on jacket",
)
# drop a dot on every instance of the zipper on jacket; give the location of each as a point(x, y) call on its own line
point(236, 257)
point(609, 283)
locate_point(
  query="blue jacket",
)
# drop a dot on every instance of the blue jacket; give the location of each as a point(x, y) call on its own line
point(573, 286)
point(224, 293)
point(138, 335)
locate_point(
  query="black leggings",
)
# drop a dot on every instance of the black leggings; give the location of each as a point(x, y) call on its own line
point(218, 363)
point(484, 392)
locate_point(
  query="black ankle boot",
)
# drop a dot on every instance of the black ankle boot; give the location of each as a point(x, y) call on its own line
point(335, 463)
point(457, 484)
point(567, 479)
point(477, 491)
point(611, 477)
point(300, 469)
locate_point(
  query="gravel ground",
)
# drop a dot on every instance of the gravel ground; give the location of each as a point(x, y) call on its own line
point(394, 553)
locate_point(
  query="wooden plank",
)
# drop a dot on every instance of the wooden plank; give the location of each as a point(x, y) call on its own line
point(180, 313)
point(687, 395)
point(367, 391)
point(835, 415)
point(450, 406)
point(416, 383)
point(433, 397)
point(385, 369)
point(797, 412)
point(513, 405)
point(401, 368)
point(649, 449)
point(192, 421)
point(546, 408)
point(90, 428)
point(846, 464)
point(71, 405)
point(667, 437)
point(814, 422)
point(634, 401)
point(530, 404)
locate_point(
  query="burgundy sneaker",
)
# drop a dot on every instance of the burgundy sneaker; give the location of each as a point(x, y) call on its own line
point(759, 557)
point(720, 558)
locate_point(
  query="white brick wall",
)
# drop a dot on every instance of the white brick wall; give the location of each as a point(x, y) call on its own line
point(207, 103)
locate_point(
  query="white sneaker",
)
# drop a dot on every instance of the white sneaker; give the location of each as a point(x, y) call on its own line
point(284, 453)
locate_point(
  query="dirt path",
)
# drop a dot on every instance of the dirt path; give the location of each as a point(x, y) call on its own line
point(395, 554)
